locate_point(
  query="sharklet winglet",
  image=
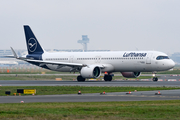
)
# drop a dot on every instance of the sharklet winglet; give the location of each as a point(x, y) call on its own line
point(14, 53)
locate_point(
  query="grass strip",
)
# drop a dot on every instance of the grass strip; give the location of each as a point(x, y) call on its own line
point(175, 71)
point(135, 110)
point(53, 90)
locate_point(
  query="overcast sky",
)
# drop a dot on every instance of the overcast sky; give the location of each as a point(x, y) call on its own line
point(109, 24)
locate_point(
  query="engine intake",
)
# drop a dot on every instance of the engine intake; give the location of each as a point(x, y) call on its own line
point(131, 74)
point(90, 71)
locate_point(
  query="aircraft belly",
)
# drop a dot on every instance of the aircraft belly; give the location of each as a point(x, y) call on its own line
point(139, 66)
point(65, 69)
point(61, 69)
point(108, 68)
point(124, 66)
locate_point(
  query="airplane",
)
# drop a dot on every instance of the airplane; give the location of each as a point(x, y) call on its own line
point(93, 64)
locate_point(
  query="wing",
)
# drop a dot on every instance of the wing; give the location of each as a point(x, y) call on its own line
point(14, 55)
point(41, 63)
point(61, 63)
point(74, 66)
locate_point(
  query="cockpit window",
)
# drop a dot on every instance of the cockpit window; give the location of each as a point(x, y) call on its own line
point(162, 57)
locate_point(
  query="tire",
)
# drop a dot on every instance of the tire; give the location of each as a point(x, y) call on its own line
point(80, 79)
point(107, 77)
point(155, 79)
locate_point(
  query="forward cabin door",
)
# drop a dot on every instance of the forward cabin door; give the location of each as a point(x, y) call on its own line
point(148, 60)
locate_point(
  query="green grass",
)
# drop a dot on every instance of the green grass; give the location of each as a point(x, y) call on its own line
point(135, 110)
point(52, 90)
point(175, 71)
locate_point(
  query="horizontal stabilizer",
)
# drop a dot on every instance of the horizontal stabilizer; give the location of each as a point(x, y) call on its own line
point(10, 56)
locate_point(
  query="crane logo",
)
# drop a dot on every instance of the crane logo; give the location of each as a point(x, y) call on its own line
point(32, 44)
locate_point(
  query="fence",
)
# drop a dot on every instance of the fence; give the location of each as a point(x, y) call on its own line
point(24, 68)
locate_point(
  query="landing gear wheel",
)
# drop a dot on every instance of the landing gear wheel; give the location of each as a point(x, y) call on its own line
point(80, 79)
point(155, 79)
point(107, 77)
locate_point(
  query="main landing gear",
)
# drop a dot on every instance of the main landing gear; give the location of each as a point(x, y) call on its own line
point(107, 77)
point(80, 78)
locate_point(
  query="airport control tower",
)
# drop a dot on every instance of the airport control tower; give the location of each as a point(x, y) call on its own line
point(84, 42)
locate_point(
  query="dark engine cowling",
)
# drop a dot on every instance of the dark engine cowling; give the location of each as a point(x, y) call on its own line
point(90, 71)
point(131, 74)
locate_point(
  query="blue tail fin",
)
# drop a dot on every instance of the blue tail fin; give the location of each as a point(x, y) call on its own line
point(33, 45)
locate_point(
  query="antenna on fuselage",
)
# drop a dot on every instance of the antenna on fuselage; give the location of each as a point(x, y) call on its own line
point(137, 49)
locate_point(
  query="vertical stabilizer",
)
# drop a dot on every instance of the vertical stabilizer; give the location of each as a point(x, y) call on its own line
point(33, 45)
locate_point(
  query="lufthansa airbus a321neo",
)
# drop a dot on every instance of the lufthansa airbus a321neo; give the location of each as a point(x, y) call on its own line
point(92, 64)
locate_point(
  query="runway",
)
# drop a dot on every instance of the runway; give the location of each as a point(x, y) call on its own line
point(95, 97)
point(164, 80)
point(88, 83)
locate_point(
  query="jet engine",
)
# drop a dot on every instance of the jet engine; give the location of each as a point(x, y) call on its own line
point(90, 71)
point(131, 74)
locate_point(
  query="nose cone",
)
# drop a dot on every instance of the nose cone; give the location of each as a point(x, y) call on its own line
point(171, 64)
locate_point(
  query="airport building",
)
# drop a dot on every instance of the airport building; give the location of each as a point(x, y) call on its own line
point(6, 61)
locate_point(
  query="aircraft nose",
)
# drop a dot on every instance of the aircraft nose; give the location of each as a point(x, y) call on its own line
point(172, 64)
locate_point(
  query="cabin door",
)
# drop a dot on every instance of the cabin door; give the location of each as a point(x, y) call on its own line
point(148, 60)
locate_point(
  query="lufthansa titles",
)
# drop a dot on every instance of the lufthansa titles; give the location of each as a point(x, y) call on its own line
point(133, 54)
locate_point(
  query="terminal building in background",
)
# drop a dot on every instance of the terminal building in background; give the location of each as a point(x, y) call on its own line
point(5, 61)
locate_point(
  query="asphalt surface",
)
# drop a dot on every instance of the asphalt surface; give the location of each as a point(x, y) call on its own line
point(88, 83)
point(95, 97)
point(164, 80)
point(171, 81)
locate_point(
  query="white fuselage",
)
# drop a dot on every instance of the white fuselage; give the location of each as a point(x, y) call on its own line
point(120, 61)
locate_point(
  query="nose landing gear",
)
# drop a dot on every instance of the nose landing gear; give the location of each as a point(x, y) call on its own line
point(155, 79)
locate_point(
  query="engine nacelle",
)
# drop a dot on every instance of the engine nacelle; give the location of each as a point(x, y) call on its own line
point(90, 71)
point(131, 74)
